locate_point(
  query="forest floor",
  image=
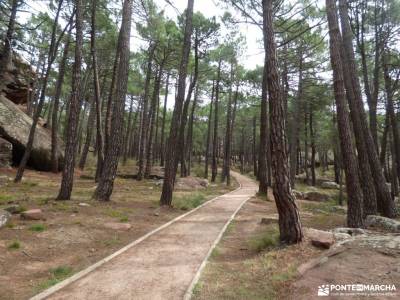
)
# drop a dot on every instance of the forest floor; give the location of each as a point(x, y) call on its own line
point(249, 262)
point(35, 255)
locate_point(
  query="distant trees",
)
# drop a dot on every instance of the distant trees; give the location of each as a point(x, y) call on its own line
point(282, 122)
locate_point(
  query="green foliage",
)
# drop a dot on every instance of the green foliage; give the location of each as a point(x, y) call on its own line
point(14, 245)
point(56, 275)
point(37, 227)
point(188, 202)
point(268, 239)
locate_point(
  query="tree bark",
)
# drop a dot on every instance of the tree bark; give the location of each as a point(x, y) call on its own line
point(385, 203)
point(67, 179)
point(128, 133)
point(392, 115)
point(155, 100)
point(214, 163)
point(313, 150)
point(54, 119)
point(89, 135)
point(228, 142)
point(145, 116)
point(289, 219)
point(189, 138)
point(171, 155)
point(97, 94)
point(355, 196)
point(106, 182)
point(162, 142)
point(295, 122)
point(209, 132)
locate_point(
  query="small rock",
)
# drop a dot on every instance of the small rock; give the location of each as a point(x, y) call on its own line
point(320, 238)
point(118, 226)
point(204, 182)
point(330, 185)
point(33, 214)
point(92, 250)
point(84, 204)
point(14, 209)
point(350, 231)
point(316, 196)
point(340, 236)
point(157, 213)
point(5, 216)
point(382, 222)
point(298, 194)
point(159, 182)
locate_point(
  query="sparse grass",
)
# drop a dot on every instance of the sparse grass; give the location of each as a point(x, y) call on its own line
point(10, 225)
point(29, 184)
point(124, 219)
point(114, 213)
point(230, 227)
point(190, 201)
point(63, 206)
point(198, 170)
point(288, 274)
point(43, 201)
point(215, 252)
point(112, 241)
point(15, 245)
point(321, 207)
point(37, 227)
point(265, 240)
point(197, 287)
point(56, 275)
point(4, 198)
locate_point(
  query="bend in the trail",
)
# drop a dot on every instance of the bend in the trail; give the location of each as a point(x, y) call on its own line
point(163, 265)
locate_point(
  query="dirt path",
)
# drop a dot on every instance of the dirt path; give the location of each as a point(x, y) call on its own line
point(163, 265)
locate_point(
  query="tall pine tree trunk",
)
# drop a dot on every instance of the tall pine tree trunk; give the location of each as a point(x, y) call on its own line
point(214, 162)
point(385, 202)
point(289, 219)
point(209, 132)
point(355, 196)
point(171, 154)
point(106, 181)
point(57, 95)
point(162, 142)
point(67, 179)
point(145, 116)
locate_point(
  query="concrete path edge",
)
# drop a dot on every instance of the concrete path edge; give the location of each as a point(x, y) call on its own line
point(46, 293)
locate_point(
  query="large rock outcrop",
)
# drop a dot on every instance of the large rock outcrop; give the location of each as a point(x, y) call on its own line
point(15, 126)
point(18, 80)
point(5, 153)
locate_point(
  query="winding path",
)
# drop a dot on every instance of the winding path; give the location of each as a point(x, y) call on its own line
point(164, 264)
